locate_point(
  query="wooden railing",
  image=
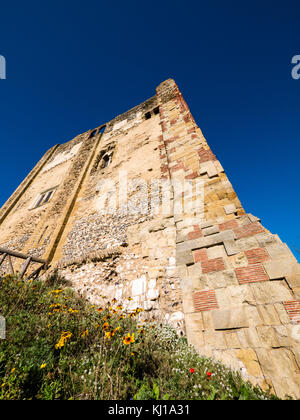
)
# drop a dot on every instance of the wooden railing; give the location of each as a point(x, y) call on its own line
point(6, 254)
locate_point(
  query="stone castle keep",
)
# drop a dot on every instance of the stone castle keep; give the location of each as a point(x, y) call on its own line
point(216, 275)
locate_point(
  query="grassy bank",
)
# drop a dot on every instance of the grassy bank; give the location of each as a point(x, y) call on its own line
point(59, 346)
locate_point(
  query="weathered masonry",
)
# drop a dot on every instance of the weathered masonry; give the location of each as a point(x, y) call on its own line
point(216, 274)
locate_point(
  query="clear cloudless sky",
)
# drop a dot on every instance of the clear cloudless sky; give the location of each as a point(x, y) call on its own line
point(72, 65)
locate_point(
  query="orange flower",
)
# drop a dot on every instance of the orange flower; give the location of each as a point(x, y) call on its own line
point(129, 339)
point(105, 326)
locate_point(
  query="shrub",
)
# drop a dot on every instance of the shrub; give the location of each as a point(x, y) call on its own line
point(59, 346)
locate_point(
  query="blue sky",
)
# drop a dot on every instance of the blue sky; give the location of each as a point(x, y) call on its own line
point(72, 65)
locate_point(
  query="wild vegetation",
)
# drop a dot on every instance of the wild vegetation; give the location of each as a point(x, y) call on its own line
point(59, 346)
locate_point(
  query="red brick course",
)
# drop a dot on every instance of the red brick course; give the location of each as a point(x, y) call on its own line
point(215, 264)
point(251, 274)
point(195, 234)
point(231, 224)
point(249, 230)
point(293, 309)
point(200, 255)
point(205, 301)
point(205, 155)
point(257, 255)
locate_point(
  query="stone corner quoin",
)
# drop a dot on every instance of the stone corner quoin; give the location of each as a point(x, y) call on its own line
point(213, 272)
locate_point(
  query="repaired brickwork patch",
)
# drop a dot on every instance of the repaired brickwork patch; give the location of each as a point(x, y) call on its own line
point(251, 274)
point(231, 224)
point(249, 230)
point(293, 309)
point(200, 255)
point(205, 301)
point(257, 255)
point(216, 264)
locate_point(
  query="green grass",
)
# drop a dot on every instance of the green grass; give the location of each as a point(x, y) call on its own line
point(58, 346)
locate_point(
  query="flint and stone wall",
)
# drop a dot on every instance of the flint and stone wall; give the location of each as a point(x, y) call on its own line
point(215, 274)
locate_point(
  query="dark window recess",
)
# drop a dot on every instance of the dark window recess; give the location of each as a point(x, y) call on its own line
point(44, 198)
point(40, 200)
point(156, 110)
point(147, 115)
point(106, 161)
point(93, 133)
point(48, 196)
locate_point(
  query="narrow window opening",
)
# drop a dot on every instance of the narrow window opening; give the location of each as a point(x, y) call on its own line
point(44, 198)
point(156, 110)
point(106, 161)
point(40, 200)
point(101, 129)
point(148, 115)
point(48, 196)
point(93, 133)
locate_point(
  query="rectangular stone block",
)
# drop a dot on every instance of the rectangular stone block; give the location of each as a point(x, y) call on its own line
point(215, 340)
point(277, 269)
point(270, 292)
point(267, 336)
point(229, 319)
point(232, 340)
point(185, 257)
point(230, 208)
point(195, 270)
point(269, 314)
point(217, 251)
point(210, 230)
point(231, 248)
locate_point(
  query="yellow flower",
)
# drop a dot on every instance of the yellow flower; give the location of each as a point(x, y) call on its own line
point(105, 326)
point(84, 334)
point(108, 335)
point(128, 339)
point(117, 329)
point(13, 369)
point(43, 366)
point(73, 311)
point(65, 335)
point(114, 300)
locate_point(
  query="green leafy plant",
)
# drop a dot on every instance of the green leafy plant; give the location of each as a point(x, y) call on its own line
point(59, 346)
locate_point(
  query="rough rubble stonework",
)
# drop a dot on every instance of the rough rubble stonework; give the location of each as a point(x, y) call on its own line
point(217, 275)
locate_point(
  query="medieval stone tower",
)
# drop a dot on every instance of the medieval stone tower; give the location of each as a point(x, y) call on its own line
point(210, 270)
